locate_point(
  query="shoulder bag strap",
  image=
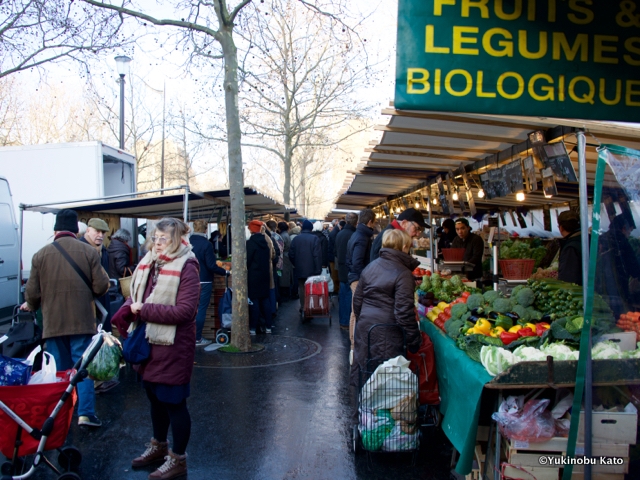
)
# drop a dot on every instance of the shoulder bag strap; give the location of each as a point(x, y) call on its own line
point(84, 278)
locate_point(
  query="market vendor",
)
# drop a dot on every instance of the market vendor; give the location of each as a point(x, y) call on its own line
point(473, 245)
point(570, 259)
point(410, 221)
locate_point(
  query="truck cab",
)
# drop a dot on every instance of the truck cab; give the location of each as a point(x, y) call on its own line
point(9, 251)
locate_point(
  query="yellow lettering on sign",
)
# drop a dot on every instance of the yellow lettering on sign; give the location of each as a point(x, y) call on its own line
point(523, 48)
point(449, 88)
point(459, 40)
point(599, 48)
point(588, 14)
point(547, 89)
point(551, 16)
point(531, 10)
point(479, 84)
point(587, 97)
point(438, 82)
point(501, 90)
point(507, 46)
point(631, 92)
point(418, 84)
point(429, 42)
point(500, 13)
point(481, 5)
point(561, 88)
point(437, 6)
point(603, 89)
point(631, 46)
point(580, 45)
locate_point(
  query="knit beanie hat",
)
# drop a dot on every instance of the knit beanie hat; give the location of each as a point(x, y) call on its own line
point(66, 221)
point(307, 225)
point(255, 226)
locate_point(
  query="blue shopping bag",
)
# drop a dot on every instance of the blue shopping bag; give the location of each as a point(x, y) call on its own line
point(13, 372)
point(136, 348)
point(224, 309)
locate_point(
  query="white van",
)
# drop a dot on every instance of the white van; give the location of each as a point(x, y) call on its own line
point(9, 251)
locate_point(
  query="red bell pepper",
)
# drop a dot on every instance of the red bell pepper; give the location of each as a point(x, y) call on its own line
point(465, 294)
point(447, 311)
point(526, 332)
point(442, 317)
point(507, 337)
point(439, 323)
point(541, 328)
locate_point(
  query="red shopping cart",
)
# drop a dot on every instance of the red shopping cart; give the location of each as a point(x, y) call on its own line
point(36, 418)
point(316, 298)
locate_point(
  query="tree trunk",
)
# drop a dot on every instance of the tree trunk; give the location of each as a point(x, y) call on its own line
point(286, 163)
point(240, 320)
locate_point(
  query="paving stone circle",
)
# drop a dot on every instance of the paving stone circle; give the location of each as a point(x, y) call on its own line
point(279, 350)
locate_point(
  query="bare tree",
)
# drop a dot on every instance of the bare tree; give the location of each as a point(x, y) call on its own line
point(10, 112)
point(35, 32)
point(301, 73)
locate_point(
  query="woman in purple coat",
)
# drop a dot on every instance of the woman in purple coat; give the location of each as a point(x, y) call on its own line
point(165, 289)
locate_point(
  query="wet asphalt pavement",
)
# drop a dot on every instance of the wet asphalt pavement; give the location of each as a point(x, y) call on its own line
point(284, 421)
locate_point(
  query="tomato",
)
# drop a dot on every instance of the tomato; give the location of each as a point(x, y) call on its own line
point(465, 294)
point(447, 311)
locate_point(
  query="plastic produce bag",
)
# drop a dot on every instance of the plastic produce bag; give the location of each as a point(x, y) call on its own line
point(47, 374)
point(327, 276)
point(374, 428)
point(389, 384)
point(106, 364)
point(533, 423)
point(399, 441)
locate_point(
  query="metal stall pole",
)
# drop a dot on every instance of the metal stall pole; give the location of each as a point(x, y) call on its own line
point(186, 204)
point(584, 231)
point(431, 245)
point(495, 264)
point(20, 253)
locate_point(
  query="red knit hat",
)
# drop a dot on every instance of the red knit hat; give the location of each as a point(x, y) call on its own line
point(255, 226)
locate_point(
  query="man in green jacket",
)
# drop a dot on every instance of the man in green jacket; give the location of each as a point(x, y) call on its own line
point(68, 309)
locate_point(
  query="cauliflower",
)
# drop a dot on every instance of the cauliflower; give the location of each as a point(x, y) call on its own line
point(474, 301)
point(490, 296)
point(501, 305)
point(456, 282)
point(458, 310)
point(526, 297)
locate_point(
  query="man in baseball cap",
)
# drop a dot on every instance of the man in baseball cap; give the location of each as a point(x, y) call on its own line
point(411, 221)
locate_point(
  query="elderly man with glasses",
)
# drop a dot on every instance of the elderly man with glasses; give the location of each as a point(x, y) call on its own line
point(410, 221)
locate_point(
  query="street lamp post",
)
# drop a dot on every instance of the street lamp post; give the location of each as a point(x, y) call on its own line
point(122, 63)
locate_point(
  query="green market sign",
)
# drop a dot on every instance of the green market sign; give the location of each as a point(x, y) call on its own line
point(561, 58)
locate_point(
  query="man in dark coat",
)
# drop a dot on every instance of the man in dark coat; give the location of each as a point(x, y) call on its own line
point(333, 265)
point(94, 236)
point(305, 254)
point(324, 243)
point(570, 259)
point(473, 245)
point(410, 221)
point(258, 277)
point(358, 255)
point(120, 254)
point(345, 295)
point(203, 250)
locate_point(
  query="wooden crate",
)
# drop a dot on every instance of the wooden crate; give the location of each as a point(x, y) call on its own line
point(611, 427)
point(531, 473)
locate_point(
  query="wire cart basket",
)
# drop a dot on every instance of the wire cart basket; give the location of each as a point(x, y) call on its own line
point(36, 418)
point(388, 419)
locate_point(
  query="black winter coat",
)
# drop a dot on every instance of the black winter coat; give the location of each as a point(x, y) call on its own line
point(119, 259)
point(358, 251)
point(258, 269)
point(203, 250)
point(385, 295)
point(305, 254)
point(342, 241)
point(324, 246)
point(474, 250)
point(570, 259)
point(333, 234)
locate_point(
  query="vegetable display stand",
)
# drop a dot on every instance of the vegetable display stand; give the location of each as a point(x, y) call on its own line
point(453, 254)
point(518, 269)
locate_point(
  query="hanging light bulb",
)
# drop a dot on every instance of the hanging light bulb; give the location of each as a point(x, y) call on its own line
point(455, 196)
point(435, 200)
point(417, 205)
point(520, 196)
point(397, 209)
point(481, 193)
point(547, 196)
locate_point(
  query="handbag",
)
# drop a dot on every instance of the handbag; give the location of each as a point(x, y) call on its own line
point(125, 284)
point(136, 348)
point(13, 372)
point(425, 360)
point(22, 338)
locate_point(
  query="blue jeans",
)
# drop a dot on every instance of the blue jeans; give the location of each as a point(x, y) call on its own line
point(344, 299)
point(205, 298)
point(67, 350)
point(260, 309)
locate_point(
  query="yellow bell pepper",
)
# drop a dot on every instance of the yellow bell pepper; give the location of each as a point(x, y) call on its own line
point(515, 329)
point(472, 331)
point(442, 305)
point(495, 332)
point(432, 316)
point(532, 326)
point(483, 326)
point(437, 311)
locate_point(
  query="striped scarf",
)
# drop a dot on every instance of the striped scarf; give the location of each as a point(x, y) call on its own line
point(168, 268)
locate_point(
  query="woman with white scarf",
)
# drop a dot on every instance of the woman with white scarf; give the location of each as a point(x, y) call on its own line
point(165, 289)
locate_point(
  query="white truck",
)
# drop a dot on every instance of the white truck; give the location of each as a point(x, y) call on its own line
point(60, 173)
point(9, 248)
